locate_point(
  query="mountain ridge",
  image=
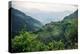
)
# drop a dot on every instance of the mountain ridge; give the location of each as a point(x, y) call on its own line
point(20, 20)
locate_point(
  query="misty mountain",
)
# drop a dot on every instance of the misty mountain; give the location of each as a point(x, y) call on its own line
point(47, 16)
point(61, 30)
point(20, 21)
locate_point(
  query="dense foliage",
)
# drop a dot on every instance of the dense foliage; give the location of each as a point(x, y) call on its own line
point(52, 36)
point(28, 42)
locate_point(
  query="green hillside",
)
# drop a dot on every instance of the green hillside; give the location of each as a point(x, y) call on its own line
point(21, 21)
point(52, 36)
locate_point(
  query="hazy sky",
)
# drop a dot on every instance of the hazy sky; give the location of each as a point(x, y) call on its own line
point(42, 11)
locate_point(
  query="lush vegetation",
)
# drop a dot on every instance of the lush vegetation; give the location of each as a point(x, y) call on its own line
point(29, 42)
point(52, 36)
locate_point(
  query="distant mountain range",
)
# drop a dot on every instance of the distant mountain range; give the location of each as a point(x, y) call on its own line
point(46, 16)
point(20, 21)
